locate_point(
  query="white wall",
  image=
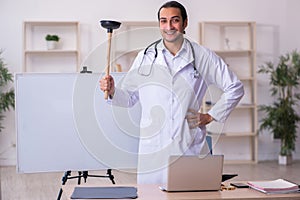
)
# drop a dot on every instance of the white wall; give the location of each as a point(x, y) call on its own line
point(277, 33)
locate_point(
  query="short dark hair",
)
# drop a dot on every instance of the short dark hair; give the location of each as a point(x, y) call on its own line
point(174, 4)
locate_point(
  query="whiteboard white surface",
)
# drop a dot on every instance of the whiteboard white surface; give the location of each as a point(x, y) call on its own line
point(63, 123)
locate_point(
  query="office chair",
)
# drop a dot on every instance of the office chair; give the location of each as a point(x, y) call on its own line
point(209, 143)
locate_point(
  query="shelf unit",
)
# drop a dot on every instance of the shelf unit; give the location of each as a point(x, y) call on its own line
point(36, 56)
point(235, 42)
point(132, 37)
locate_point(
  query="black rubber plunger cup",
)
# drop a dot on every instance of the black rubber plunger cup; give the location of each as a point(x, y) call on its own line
point(109, 25)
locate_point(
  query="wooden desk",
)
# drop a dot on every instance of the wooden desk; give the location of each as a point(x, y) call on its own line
point(152, 192)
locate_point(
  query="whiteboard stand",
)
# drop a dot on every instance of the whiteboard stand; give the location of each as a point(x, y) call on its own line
point(84, 175)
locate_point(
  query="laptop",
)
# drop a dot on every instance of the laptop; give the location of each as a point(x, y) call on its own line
point(194, 173)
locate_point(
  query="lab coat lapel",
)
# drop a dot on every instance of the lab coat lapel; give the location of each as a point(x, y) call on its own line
point(161, 60)
point(185, 57)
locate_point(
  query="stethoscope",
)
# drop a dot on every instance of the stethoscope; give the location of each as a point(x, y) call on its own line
point(196, 73)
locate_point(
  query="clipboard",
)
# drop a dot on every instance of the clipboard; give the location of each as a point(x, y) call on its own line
point(104, 193)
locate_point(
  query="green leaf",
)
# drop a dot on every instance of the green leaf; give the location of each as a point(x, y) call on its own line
point(7, 98)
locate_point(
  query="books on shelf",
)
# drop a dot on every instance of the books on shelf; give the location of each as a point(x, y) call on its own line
point(274, 187)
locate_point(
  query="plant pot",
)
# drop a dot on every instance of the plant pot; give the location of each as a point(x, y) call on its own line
point(51, 45)
point(285, 160)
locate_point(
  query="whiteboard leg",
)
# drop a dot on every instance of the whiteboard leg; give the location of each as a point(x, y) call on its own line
point(84, 175)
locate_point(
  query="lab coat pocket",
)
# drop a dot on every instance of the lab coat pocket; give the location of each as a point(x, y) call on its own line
point(148, 144)
point(184, 138)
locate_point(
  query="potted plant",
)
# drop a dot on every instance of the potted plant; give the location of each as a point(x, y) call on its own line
point(7, 97)
point(52, 41)
point(281, 117)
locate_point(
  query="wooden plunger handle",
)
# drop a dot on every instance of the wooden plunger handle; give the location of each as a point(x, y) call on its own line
point(108, 61)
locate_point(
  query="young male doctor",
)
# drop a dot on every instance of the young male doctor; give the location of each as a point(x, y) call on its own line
point(169, 79)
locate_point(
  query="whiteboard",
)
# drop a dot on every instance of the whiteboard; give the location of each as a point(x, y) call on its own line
point(63, 123)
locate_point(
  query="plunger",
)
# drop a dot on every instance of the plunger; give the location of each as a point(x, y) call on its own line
point(109, 25)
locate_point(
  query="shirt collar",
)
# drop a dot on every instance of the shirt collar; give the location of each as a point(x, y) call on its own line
point(185, 53)
point(183, 57)
point(184, 48)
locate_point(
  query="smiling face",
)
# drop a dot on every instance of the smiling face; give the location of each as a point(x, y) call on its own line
point(171, 25)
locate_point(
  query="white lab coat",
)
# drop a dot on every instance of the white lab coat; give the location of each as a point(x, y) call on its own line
point(165, 96)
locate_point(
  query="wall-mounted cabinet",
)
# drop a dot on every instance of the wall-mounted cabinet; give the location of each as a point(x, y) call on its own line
point(64, 58)
point(235, 42)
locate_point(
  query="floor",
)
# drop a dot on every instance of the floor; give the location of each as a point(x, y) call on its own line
point(46, 186)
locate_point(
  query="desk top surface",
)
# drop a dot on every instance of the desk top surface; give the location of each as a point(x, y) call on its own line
point(150, 192)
